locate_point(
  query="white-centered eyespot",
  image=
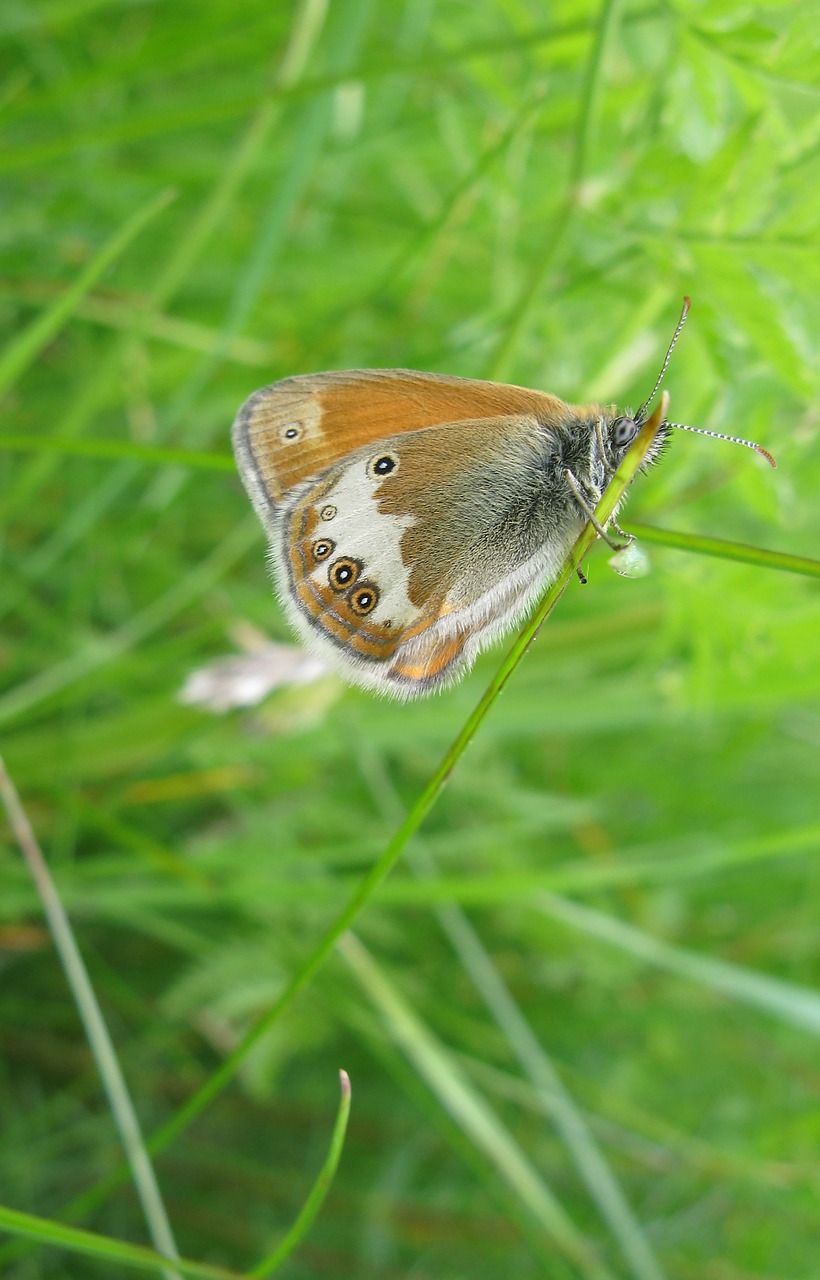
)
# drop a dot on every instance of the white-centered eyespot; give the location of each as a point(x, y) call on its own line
point(343, 573)
point(327, 512)
point(383, 464)
point(289, 432)
point(364, 598)
point(322, 548)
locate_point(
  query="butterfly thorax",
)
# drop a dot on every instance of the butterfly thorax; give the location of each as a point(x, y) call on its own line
point(594, 439)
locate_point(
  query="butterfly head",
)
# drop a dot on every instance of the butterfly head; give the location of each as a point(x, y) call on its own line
point(596, 438)
point(619, 428)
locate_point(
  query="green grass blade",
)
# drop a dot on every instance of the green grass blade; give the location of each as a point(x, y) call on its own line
point(178, 266)
point(559, 1104)
point(308, 20)
point(95, 447)
point(469, 1109)
point(127, 313)
point(25, 348)
point(725, 550)
point(423, 804)
point(104, 649)
point(88, 1244)
point(99, 1039)
point(318, 1192)
point(798, 1006)
point(554, 1098)
point(553, 241)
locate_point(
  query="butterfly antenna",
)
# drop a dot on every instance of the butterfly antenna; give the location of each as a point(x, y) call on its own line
point(682, 426)
point(700, 431)
point(640, 416)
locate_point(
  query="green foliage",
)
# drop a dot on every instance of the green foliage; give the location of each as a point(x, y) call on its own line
point(506, 189)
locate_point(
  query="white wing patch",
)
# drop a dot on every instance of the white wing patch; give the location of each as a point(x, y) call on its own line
point(360, 531)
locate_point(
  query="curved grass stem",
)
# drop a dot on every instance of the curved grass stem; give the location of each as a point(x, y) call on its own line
point(427, 798)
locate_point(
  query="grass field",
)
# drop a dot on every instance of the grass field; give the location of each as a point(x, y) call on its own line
point(580, 1017)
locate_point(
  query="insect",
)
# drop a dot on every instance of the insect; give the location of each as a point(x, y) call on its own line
point(413, 518)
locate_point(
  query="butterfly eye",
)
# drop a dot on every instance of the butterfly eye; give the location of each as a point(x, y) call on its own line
point(343, 573)
point(290, 431)
point(322, 549)
point(364, 599)
point(382, 465)
point(624, 431)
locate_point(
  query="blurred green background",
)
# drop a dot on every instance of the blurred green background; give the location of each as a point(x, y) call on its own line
point(506, 189)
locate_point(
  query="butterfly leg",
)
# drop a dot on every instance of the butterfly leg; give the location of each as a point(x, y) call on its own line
point(608, 467)
point(599, 431)
point(589, 513)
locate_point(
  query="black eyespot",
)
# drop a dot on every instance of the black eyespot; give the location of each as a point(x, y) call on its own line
point(382, 465)
point(364, 599)
point(343, 573)
point(322, 549)
point(290, 431)
point(623, 431)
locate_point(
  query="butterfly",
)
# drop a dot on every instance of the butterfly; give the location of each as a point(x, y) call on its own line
point(413, 518)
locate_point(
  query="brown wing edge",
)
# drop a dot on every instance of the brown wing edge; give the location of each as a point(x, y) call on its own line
point(411, 677)
point(262, 500)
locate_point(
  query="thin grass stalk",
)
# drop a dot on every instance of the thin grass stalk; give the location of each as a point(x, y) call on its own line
point(56, 1235)
point(721, 548)
point(556, 1100)
point(103, 649)
point(24, 350)
point(424, 802)
point(99, 1039)
point(568, 1118)
point(469, 1109)
point(272, 1261)
point(786, 1001)
point(566, 212)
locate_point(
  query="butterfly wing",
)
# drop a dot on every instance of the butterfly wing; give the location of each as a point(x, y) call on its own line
point(296, 428)
point(395, 503)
